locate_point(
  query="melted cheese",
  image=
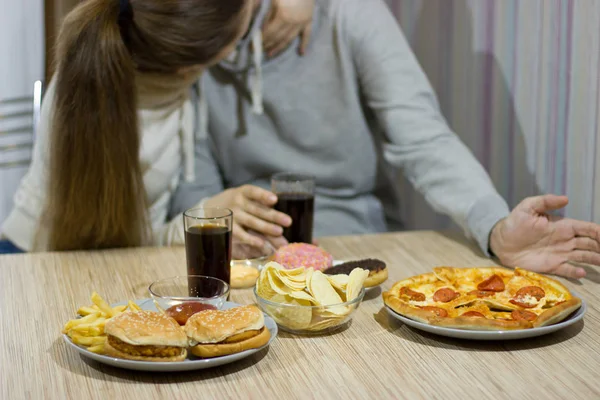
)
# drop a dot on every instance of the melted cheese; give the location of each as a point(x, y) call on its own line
point(429, 289)
point(553, 298)
point(517, 282)
point(527, 299)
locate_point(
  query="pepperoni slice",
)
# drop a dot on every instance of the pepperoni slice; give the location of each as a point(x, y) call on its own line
point(533, 291)
point(494, 284)
point(440, 312)
point(481, 293)
point(523, 315)
point(444, 295)
point(475, 314)
point(416, 296)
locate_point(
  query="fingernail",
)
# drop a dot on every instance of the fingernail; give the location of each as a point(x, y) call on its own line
point(278, 231)
point(272, 198)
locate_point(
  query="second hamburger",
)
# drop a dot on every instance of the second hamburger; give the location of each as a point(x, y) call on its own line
point(216, 333)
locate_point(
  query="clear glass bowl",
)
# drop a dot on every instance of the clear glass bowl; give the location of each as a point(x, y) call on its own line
point(174, 291)
point(307, 320)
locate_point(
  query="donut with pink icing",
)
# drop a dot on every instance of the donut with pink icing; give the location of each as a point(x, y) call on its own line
point(295, 255)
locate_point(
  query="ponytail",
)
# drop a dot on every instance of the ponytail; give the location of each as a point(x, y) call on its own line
point(96, 192)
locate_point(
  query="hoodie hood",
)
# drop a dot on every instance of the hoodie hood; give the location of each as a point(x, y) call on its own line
point(243, 59)
point(248, 56)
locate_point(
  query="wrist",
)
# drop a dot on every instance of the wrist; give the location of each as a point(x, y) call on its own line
point(495, 239)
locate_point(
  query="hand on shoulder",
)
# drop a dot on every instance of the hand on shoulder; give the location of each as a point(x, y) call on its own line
point(288, 19)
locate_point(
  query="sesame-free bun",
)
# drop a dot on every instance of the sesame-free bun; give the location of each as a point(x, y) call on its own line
point(146, 328)
point(215, 333)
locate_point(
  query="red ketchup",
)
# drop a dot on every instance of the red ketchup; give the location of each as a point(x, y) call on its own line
point(181, 312)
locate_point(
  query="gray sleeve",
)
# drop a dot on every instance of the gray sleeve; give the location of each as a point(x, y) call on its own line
point(208, 181)
point(419, 141)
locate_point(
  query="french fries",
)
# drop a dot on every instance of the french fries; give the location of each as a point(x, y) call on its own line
point(83, 311)
point(88, 340)
point(88, 331)
point(97, 349)
point(133, 307)
point(102, 305)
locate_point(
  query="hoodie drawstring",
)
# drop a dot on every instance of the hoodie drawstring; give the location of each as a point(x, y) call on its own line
point(190, 134)
point(256, 77)
point(200, 108)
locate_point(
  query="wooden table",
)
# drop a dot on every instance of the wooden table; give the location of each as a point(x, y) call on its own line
point(376, 357)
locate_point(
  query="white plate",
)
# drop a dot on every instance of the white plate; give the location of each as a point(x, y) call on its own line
point(186, 365)
point(493, 335)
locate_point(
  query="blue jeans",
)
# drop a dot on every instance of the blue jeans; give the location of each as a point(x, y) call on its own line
point(7, 247)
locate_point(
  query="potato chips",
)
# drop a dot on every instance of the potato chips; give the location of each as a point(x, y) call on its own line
point(324, 294)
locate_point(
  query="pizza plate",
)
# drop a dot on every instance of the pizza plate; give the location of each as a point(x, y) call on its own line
point(575, 317)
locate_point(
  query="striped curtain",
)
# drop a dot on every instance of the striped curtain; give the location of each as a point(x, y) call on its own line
point(519, 82)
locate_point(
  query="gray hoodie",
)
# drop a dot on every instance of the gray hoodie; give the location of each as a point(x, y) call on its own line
point(355, 110)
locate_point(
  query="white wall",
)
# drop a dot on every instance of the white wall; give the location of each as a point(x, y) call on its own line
point(21, 64)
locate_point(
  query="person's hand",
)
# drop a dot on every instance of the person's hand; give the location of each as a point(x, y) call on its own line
point(288, 19)
point(253, 210)
point(531, 239)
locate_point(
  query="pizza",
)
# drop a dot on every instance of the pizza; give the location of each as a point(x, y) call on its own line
point(486, 298)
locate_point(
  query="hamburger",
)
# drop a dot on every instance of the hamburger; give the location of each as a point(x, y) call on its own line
point(145, 336)
point(215, 333)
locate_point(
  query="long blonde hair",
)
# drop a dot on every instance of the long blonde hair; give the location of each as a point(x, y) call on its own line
point(96, 192)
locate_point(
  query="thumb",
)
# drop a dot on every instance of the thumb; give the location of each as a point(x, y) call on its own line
point(545, 203)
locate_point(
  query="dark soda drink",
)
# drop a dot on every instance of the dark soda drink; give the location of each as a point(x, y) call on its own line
point(301, 208)
point(208, 252)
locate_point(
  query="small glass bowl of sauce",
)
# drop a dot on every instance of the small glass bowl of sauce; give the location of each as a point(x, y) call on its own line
point(183, 296)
